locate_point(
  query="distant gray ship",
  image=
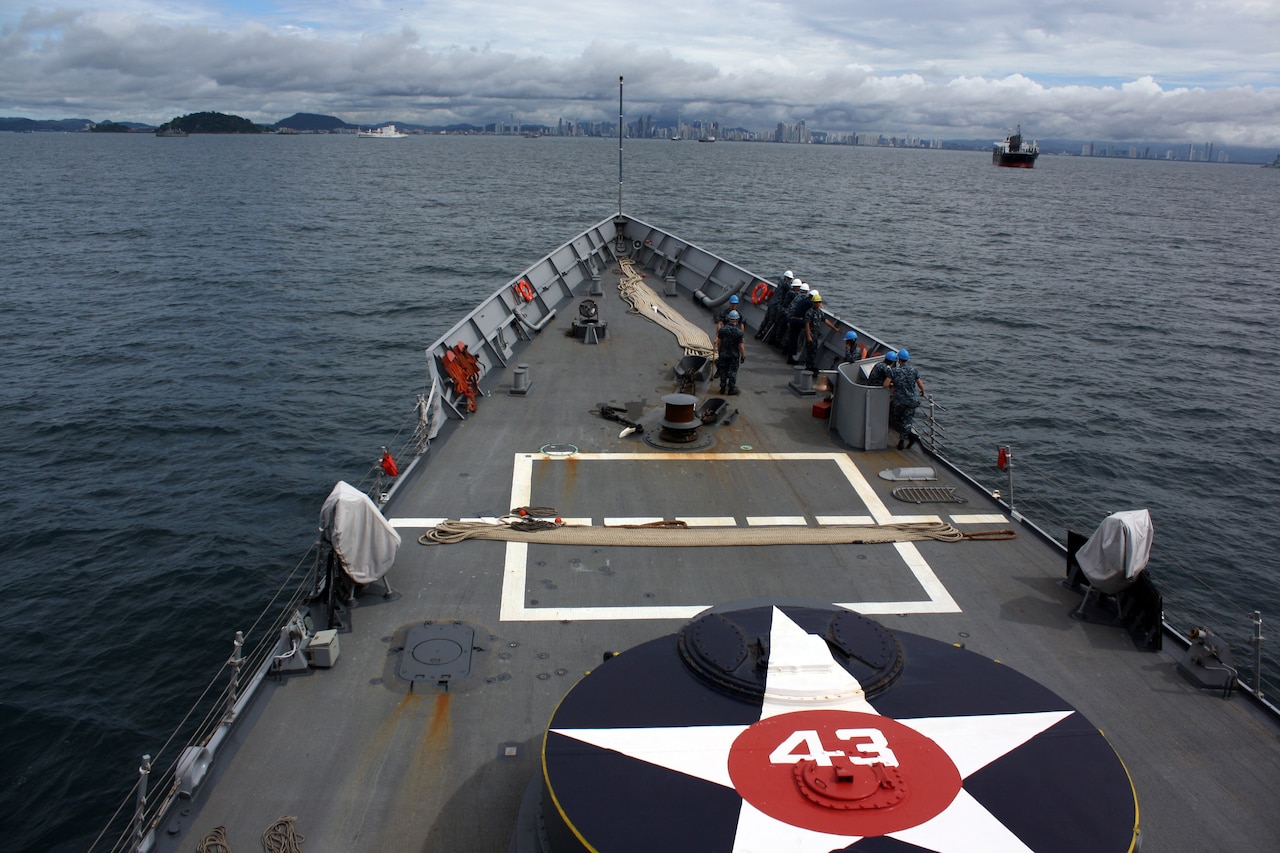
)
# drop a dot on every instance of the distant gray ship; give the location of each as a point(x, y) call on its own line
point(1015, 153)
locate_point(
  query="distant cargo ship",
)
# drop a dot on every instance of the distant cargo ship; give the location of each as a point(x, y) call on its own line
point(1013, 152)
point(387, 132)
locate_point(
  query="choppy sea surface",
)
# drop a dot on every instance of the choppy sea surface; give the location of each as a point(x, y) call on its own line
point(200, 336)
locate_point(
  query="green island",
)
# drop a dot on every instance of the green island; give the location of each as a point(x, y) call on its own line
point(211, 122)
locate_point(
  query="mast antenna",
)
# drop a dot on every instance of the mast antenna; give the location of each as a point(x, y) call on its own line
point(619, 144)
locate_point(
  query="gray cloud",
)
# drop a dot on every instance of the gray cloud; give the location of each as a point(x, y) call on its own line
point(1120, 70)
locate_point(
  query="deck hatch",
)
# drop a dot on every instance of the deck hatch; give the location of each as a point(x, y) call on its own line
point(438, 652)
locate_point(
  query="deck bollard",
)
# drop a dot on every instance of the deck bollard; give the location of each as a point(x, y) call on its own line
point(520, 380)
point(802, 383)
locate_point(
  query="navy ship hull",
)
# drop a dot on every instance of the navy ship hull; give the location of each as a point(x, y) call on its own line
point(613, 623)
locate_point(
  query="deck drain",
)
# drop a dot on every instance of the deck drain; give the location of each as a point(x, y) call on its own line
point(928, 495)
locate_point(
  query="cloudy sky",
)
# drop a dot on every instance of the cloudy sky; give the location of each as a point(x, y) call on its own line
point(1176, 70)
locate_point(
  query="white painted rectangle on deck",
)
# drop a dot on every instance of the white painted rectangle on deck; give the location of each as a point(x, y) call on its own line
point(415, 522)
point(515, 571)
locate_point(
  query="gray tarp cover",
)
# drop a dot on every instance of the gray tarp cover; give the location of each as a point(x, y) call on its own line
point(1118, 550)
point(363, 539)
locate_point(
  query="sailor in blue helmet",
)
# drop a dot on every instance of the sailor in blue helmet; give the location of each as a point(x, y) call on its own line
point(853, 351)
point(905, 380)
point(880, 372)
point(724, 315)
point(733, 351)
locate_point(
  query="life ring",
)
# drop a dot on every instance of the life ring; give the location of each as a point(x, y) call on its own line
point(761, 292)
point(525, 290)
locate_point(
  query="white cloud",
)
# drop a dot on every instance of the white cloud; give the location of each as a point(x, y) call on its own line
point(1105, 70)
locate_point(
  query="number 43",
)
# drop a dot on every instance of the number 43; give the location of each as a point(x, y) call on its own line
point(873, 748)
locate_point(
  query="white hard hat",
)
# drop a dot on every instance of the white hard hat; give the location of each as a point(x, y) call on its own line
point(804, 288)
point(788, 274)
point(815, 296)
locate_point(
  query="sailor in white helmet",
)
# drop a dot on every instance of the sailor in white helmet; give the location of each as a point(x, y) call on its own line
point(795, 321)
point(777, 305)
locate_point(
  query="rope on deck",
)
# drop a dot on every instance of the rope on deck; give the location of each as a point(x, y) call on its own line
point(676, 535)
point(281, 837)
point(215, 841)
point(644, 301)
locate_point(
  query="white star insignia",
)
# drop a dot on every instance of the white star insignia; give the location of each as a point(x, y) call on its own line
point(803, 676)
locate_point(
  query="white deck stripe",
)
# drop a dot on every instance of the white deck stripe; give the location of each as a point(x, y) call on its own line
point(939, 598)
point(776, 521)
point(515, 571)
point(731, 521)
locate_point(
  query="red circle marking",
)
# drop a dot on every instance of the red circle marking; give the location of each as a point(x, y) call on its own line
point(842, 772)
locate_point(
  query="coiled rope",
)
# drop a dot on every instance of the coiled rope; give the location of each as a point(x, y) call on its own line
point(644, 301)
point(679, 535)
point(214, 842)
point(281, 837)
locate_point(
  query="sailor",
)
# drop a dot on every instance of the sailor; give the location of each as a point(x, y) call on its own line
point(853, 351)
point(880, 372)
point(905, 380)
point(778, 331)
point(733, 351)
point(723, 315)
point(781, 293)
point(812, 329)
point(796, 312)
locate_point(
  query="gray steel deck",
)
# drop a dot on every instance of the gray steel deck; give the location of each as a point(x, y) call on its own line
point(367, 764)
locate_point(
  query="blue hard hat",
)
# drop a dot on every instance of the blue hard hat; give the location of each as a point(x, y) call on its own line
point(850, 336)
point(903, 355)
point(891, 356)
point(734, 315)
point(733, 300)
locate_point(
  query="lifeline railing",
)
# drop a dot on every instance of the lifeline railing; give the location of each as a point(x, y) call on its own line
point(1244, 637)
point(164, 774)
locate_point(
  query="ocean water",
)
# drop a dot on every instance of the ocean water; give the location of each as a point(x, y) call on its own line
point(199, 336)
